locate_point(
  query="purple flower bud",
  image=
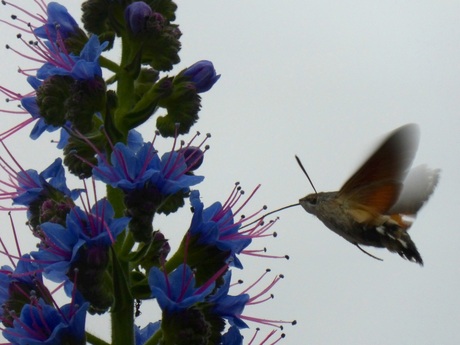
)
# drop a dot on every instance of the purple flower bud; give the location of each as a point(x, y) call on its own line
point(136, 16)
point(193, 157)
point(202, 74)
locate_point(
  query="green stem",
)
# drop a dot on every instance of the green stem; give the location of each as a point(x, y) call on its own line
point(109, 64)
point(122, 312)
point(127, 245)
point(175, 260)
point(125, 85)
point(92, 339)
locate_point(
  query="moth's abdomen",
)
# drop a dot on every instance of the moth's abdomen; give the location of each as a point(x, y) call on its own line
point(396, 239)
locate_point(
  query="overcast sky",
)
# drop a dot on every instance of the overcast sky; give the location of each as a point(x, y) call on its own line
point(326, 80)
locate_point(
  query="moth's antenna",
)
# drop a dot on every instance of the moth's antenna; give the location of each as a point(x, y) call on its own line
point(372, 256)
point(305, 172)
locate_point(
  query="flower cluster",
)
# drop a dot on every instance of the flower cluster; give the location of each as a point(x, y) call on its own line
point(105, 253)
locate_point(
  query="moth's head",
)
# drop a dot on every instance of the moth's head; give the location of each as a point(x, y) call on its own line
point(310, 202)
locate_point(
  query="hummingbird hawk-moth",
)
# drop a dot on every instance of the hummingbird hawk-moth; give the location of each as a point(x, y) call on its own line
point(378, 203)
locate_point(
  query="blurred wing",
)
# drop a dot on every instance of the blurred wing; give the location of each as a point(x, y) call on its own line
point(378, 183)
point(418, 187)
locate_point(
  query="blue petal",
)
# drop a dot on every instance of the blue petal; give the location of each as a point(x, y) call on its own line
point(179, 292)
point(57, 16)
point(232, 337)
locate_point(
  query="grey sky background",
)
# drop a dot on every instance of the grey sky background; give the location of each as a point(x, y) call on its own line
point(325, 80)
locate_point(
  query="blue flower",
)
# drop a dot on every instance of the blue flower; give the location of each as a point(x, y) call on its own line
point(60, 246)
point(173, 176)
point(83, 67)
point(18, 286)
point(29, 103)
point(60, 24)
point(229, 307)
point(5, 280)
point(232, 337)
point(202, 74)
point(32, 185)
point(176, 291)
point(144, 334)
point(215, 226)
point(26, 272)
point(40, 323)
point(136, 164)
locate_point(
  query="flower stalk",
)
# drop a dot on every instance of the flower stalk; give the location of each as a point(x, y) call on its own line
point(107, 254)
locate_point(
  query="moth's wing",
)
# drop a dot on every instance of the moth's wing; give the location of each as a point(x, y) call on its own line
point(418, 187)
point(378, 182)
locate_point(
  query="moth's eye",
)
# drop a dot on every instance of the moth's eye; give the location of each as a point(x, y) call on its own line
point(312, 199)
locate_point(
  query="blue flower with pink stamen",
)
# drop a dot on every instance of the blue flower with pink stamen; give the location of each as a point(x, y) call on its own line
point(176, 291)
point(60, 245)
point(137, 164)
point(59, 24)
point(41, 323)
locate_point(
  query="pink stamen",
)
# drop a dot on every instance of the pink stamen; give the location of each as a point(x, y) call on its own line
point(213, 279)
point(36, 17)
point(185, 284)
point(15, 235)
point(167, 166)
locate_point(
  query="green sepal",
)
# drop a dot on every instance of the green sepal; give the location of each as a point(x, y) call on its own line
point(186, 327)
point(77, 148)
point(102, 17)
point(161, 51)
point(151, 254)
point(112, 131)
point(87, 97)
point(93, 280)
point(140, 288)
point(75, 43)
point(172, 203)
point(204, 259)
point(52, 97)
